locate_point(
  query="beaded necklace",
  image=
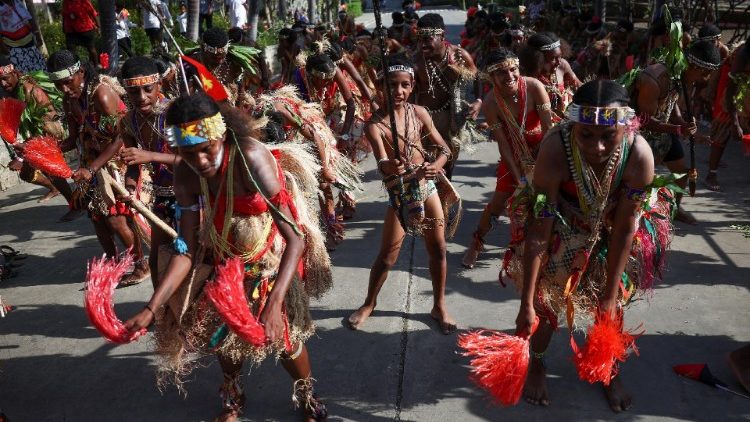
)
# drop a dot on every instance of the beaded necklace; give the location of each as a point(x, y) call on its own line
point(435, 75)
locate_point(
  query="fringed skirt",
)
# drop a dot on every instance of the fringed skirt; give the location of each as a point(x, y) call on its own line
point(574, 273)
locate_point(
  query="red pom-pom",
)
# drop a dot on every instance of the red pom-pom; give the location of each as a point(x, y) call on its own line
point(104, 60)
point(500, 362)
point(607, 344)
point(11, 110)
point(227, 293)
point(102, 278)
point(44, 154)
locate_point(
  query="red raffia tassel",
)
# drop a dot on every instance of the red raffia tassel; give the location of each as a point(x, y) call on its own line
point(44, 154)
point(227, 293)
point(104, 60)
point(11, 110)
point(607, 344)
point(102, 278)
point(500, 362)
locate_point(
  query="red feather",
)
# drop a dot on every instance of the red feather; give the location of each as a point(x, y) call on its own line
point(10, 118)
point(102, 278)
point(227, 293)
point(500, 362)
point(211, 84)
point(104, 60)
point(44, 154)
point(607, 344)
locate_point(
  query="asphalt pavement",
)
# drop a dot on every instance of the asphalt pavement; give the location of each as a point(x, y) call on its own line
point(55, 367)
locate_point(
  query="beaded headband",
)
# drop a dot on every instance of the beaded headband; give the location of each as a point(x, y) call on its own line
point(503, 65)
point(323, 75)
point(516, 33)
point(605, 116)
point(215, 50)
point(700, 63)
point(140, 81)
point(550, 47)
point(197, 132)
point(4, 70)
point(710, 37)
point(65, 73)
point(424, 32)
point(397, 68)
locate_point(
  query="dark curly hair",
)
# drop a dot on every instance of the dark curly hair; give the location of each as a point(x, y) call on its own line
point(215, 37)
point(601, 93)
point(139, 66)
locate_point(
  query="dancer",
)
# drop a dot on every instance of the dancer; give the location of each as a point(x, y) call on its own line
point(255, 211)
point(442, 71)
point(231, 65)
point(654, 95)
point(305, 122)
point(93, 109)
point(542, 59)
point(40, 117)
point(590, 233)
point(419, 172)
point(146, 149)
point(519, 113)
point(731, 109)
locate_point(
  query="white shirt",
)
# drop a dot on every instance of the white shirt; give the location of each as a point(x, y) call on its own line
point(182, 22)
point(237, 13)
point(13, 18)
point(123, 27)
point(150, 21)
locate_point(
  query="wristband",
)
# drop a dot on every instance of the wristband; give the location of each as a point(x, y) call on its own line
point(150, 310)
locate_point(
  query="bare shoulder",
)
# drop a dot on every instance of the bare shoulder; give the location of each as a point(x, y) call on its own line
point(534, 86)
point(551, 150)
point(640, 165)
point(187, 183)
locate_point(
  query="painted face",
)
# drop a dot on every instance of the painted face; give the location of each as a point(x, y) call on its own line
point(552, 60)
point(71, 87)
point(598, 142)
point(402, 84)
point(205, 158)
point(507, 79)
point(143, 98)
point(9, 81)
point(430, 44)
point(214, 59)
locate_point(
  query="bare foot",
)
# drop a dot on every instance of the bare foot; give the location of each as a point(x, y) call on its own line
point(51, 194)
point(619, 399)
point(445, 321)
point(472, 253)
point(535, 390)
point(360, 316)
point(712, 182)
point(685, 217)
point(739, 361)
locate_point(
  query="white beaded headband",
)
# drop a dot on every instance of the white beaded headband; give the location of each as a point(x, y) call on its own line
point(65, 73)
point(550, 47)
point(700, 63)
point(397, 68)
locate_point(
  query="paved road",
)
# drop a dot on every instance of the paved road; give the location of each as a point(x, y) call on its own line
point(55, 367)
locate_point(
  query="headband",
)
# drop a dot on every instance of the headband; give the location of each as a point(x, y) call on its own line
point(197, 132)
point(700, 63)
point(422, 32)
point(4, 70)
point(141, 81)
point(215, 50)
point(516, 32)
point(323, 75)
point(606, 116)
point(710, 37)
point(550, 47)
point(397, 68)
point(503, 65)
point(65, 73)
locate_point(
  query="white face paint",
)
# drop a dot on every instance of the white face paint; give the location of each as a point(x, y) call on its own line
point(219, 157)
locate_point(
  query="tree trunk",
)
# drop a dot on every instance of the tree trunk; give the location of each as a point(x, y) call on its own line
point(32, 11)
point(194, 7)
point(282, 10)
point(269, 15)
point(253, 20)
point(107, 16)
point(311, 11)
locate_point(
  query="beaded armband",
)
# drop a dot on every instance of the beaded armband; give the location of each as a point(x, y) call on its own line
point(544, 107)
point(544, 209)
point(635, 194)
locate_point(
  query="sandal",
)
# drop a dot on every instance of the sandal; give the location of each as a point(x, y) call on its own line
point(132, 279)
point(10, 253)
